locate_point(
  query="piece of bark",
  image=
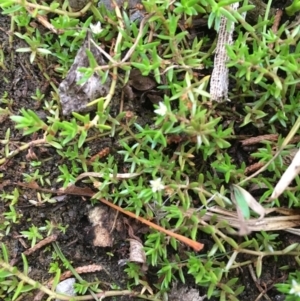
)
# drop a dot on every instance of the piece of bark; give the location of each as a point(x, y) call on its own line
point(74, 97)
point(104, 221)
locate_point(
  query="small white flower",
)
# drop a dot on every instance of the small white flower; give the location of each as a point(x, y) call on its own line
point(96, 28)
point(295, 289)
point(162, 110)
point(157, 185)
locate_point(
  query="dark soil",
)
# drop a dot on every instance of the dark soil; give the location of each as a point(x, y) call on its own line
point(20, 80)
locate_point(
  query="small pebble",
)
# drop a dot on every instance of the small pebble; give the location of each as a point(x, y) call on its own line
point(279, 298)
point(66, 287)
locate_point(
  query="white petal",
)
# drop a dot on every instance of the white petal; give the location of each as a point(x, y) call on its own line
point(96, 28)
point(162, 110)
point(157, 185)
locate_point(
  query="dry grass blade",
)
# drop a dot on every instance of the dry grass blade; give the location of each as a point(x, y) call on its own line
point(289, 220)
point(289, 138)
point(112, 176)
point(288, 176)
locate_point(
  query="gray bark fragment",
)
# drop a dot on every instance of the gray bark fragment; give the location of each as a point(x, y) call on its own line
point(74, 97)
